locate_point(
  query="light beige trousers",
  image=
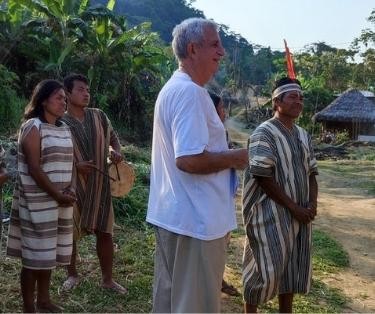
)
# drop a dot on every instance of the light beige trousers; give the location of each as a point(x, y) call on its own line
point(188, 273)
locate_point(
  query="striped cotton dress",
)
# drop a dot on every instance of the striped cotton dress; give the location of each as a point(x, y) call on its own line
point(41, 232)
point(277, 254)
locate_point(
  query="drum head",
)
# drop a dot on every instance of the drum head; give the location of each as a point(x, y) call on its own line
point(124, 178)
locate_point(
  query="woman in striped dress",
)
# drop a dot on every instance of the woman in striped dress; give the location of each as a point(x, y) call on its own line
point(279, 203)
point(41, 231)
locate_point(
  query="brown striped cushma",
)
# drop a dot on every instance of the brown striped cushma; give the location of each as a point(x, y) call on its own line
point(41, 232)
point(277, 255)
point(93, 210)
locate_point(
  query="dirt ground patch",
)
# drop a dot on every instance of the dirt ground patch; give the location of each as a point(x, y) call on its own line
point(348, 215)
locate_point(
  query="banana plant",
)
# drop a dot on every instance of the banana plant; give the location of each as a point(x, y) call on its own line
point(50, 27)
point(55, 37)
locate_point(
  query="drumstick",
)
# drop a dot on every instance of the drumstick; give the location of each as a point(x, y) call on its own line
point(105, 174)
point(118, 175)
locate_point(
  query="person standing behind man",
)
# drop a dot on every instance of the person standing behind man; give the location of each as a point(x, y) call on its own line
point(190, 202)
point(220, 110)
point(94, 140)
point(279, 203)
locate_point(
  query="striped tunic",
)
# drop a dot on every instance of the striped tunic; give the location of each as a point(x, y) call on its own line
point(41, 232)
point(93, 210)
point(277, 254)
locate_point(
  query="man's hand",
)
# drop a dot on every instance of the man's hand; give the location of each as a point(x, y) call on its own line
point(313, 206)
point(115, 156)
point(210, 162)
point(85, 167)
point(303, 214)
point(240, 158)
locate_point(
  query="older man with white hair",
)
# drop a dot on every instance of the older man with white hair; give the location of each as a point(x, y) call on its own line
point(190, 202)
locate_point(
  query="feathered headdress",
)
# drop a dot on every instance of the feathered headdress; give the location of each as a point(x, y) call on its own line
point(289, 62)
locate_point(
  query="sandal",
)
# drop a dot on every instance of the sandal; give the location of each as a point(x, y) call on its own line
point(229, 289)
point(70, 283)
point(115, 287)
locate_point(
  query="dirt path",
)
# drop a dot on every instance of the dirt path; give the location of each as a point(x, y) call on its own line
point(348, 215)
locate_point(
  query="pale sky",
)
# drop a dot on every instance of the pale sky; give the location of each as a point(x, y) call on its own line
point(300, 22)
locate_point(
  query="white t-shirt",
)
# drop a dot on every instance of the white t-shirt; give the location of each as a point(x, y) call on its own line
point(186, 123)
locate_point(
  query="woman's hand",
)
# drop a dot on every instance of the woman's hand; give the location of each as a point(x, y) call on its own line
point(69, 191)
point(66, 198)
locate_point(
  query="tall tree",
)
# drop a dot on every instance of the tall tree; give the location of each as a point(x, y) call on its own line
point(364, 73)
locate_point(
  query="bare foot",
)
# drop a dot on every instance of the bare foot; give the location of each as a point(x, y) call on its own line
point(70, 283)
point(114, 286)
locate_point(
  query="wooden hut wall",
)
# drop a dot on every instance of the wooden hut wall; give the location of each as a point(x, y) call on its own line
point(353, 128)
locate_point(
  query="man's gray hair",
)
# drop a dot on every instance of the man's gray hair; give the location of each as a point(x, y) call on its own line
point(189, 30)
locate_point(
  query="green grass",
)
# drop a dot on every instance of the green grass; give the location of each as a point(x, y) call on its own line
point(133, 268)
point(133, 264)
point(131, 210)
point(328, 255)
point(136, 154)
point(349, 173)
point(362, 153)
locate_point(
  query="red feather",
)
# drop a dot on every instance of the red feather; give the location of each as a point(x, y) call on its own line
point(289, 62)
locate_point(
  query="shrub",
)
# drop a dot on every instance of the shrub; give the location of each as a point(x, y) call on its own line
point(131, 209)
point(341, 137)
point(11, 106)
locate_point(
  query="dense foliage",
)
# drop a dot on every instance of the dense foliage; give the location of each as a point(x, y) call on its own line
point(323, 70)
point(123, 47)
point(249, 63)
point(51, 38)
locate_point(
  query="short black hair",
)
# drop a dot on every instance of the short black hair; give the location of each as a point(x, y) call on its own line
point(215, 98)
point(283, 81)
point(69, 81)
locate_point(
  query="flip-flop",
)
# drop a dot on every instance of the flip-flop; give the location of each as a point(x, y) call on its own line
point(115, 287)
point(70, 283)
point(229, 289)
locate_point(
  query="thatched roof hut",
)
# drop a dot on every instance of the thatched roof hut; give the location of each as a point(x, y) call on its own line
point(351, 111)
point(351, 106)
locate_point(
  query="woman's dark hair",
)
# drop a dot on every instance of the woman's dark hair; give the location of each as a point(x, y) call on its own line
point(42, 91)
point(215, 98)
point(69, 81)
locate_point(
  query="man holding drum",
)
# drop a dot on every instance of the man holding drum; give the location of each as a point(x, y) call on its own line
point(94, 141)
